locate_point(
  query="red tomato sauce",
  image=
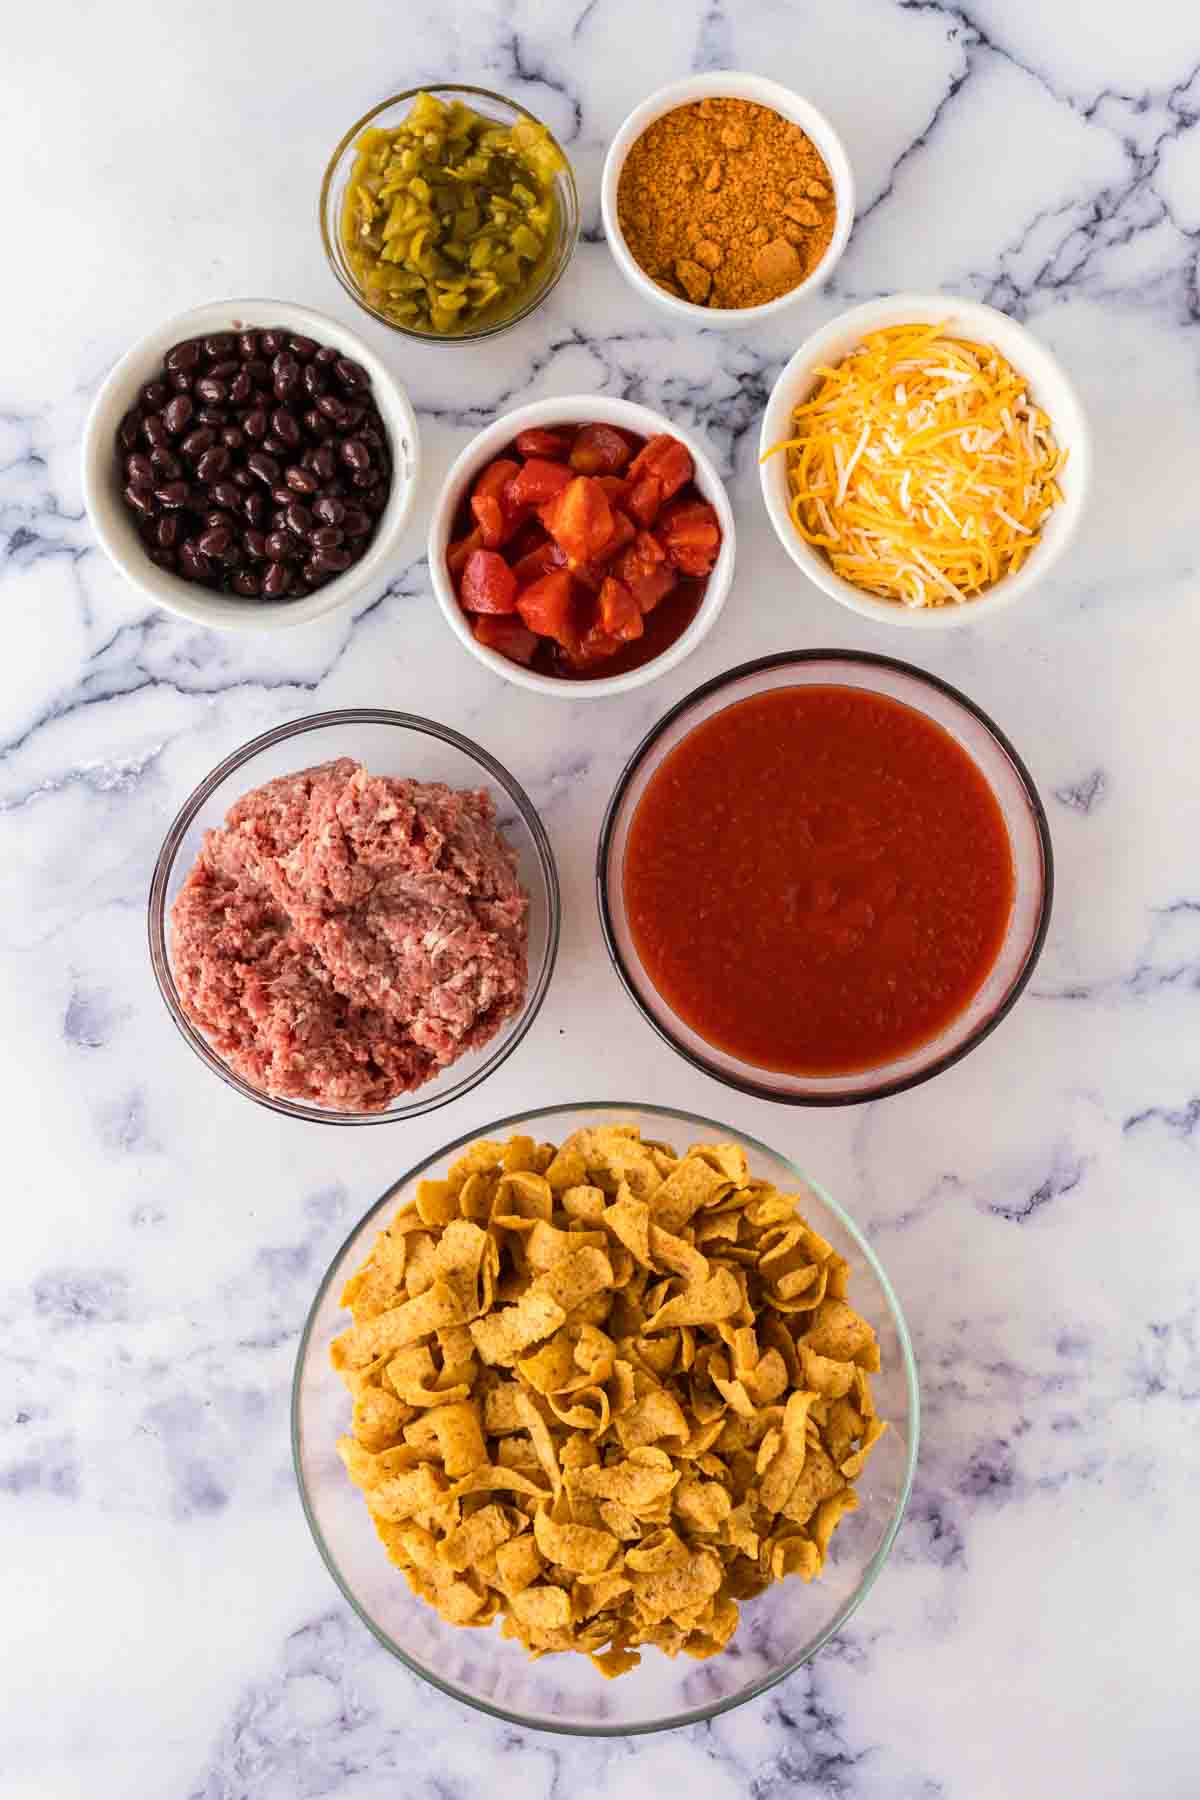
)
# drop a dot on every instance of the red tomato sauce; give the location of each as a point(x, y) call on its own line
point(818, 879)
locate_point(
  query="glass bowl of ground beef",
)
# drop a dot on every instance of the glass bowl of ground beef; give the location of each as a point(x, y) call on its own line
point(354, 918)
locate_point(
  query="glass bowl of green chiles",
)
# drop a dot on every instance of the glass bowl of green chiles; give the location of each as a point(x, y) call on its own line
point(449, 212)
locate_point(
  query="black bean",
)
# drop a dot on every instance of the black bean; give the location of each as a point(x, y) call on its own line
point(325, 463)
point(177, 413)
point(226, 494)
point(327, 354)
point(299, 519)
point(376, 499)
point(193, 564)
point(282, 547)
point(332, 562)
point(179, 381)
point(212, 391)
point(221, 343)
point(166, 465)
point(331, 408)
point(356, 455)
point(247, 585)
point(129, 430)
point(216, 518)
point(243, 477)
point(264, 466)
point(315, 379)
point(254, 423)
point(140, 470)
point(233, 558)
point(155, 432)
point(353, 416)
point(166, 530)
point(301, 481)
point(285, 426)
point(355, 522)
point(316, 425)
point(272, 342)
point(173, 493)
point(351, 374)
point(259, 371)
point(154, 395)
point(282, 494)
point(183, 356)
point(303, 347)
point(247, 345)
point(329, 510)
point(216, 541)
point(140, 499)
point(213, 464)
point(287, 378)
point(326, 537)
point(163, 557)
point(274, 446)
point(255, 545)
point(240, 388)
point(197, 442)
point(223, 371)
point(276, 581)
point(233, 437)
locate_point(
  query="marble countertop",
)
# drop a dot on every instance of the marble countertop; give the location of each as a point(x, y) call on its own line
point(169, 1628)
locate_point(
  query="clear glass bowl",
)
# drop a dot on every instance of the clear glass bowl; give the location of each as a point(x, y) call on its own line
point(779, 1630)
point(1029, 840)
point(388, 743)
point(392, 112)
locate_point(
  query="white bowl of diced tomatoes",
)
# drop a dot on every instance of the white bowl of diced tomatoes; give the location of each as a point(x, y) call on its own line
point(582, 546)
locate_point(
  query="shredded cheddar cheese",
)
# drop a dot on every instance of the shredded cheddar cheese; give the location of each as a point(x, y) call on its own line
point(921, 467)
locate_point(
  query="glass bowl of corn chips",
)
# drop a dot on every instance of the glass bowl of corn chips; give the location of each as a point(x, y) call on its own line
point(605, 1418)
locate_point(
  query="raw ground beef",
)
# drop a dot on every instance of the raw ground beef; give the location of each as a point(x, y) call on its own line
point(345, 936)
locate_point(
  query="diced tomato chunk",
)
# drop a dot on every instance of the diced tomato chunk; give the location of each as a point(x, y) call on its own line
point(623, 532)
point(536, 442)
point(618, 612)
point(507, 635)
point(457, 554)
point(667, 460)
point(616, 487)
point(495, 478)
point(538, 482)
point(548, 607)
point(644, 569)
point(596, 645)
point(691, 535)
point(488, 584)
point(489, 519)
point(600, 450)
point(580, 519)
point(644, 499)
point(538, 562)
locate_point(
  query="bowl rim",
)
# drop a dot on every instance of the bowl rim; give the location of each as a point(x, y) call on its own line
point(883, 1089)
point(185, 599)
point(1052, 386)
point(156, 912)
point(736, 84)
point(695, 1715)
point(580, 409)
point(330, 241)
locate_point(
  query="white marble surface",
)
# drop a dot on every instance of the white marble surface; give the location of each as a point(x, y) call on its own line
point(168, 1627)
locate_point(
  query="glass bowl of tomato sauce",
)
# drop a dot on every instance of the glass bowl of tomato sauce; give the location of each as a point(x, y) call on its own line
point(824, 877)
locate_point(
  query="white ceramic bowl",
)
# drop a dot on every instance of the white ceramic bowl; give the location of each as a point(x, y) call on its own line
point(727, 84)
point(1048, 386)
point(578, 409)
point(114, 526)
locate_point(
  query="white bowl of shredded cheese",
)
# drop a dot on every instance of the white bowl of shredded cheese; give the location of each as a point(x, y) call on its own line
point(938, 464)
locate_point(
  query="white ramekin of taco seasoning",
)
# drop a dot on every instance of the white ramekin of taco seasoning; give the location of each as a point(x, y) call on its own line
point(1048, 388)
point(728, 84)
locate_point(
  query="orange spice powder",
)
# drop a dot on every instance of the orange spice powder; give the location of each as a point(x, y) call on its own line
point(726, 203)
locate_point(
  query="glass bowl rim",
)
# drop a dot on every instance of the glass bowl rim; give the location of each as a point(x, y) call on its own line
point(695, 1715)
point(571, 222)
point(880, 1090)
point(277, 734)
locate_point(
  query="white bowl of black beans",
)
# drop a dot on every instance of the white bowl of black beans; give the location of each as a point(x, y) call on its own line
point(250, 465)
